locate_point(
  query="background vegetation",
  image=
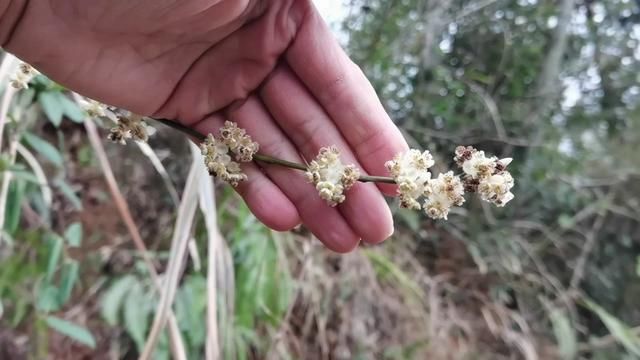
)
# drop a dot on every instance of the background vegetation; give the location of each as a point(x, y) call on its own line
point(90, 229)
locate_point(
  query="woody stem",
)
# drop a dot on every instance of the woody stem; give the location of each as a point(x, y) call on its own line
point(265, 158)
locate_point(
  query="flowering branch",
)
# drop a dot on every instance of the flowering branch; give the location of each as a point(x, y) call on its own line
point(231, 145)
point(266, 158)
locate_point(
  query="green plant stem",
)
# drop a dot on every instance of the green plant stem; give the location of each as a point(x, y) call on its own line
point(266, 158)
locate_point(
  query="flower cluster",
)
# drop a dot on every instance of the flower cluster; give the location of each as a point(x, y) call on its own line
point(410, 170)
point(219, 162)
point(487, 176)
point(443, 193)
point(94, 108)
point(217, 153)
point(330, 177)
point(23, 76)
point(238, 141)
point(130, 127)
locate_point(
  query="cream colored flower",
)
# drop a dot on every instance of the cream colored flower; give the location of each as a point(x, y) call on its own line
point(479, 166)
point(94, 108)
point(238, 141)
point(497, 188)
point(130, 127)
point(410, 170)
point(330, 177)
point(444, 192)
point(23, 76)
point(219, 163)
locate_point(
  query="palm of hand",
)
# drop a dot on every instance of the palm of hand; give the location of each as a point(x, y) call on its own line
point(271, 66)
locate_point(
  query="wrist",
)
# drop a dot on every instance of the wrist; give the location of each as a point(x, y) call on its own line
point(11, 14)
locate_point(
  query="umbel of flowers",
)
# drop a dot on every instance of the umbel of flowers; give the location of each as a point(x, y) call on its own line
point(418, 189)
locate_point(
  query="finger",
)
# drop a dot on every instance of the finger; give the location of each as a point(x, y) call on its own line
point(309, 127)
point(345, 94)
point(325, 222)
point(265, 200)
point(234, 67)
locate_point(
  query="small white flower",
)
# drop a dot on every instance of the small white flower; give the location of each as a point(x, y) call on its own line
point(23, 76)
point(94, 108)
point(497, 189)
point(479, 166)
point(130, 127)
point(238, 141)
point(330, 176)
point(410, 170)
point(219, 163)
point(444, 192)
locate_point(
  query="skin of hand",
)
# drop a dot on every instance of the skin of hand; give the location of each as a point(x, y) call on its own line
point(271, 66)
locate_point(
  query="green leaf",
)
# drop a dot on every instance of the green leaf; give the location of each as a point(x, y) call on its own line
point(71, 110)
point(136, 314)
point(564, 333)
point(52, 106)
point(68, 280)
point(13, 207)
point(73, 234)
point(54, 255)
point(47, 300)
point(44, 148)
point(68, 193)
point(74, 331)
point(621, 332)
point(113, 298)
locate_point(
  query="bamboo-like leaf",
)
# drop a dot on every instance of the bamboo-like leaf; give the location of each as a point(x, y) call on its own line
point(112, 299)
point(55, 253)
point(73, 234)
point(44, 148)
point(74, 331)
point(68, 280)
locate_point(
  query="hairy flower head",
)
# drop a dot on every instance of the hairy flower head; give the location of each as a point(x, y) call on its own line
point(330, 177)
point(130, 126)
point(444, 192)
point(94, 108)
point(238, 141)
point(496, 189)
point(410, 170)
point(219, 163)
point(23, 76)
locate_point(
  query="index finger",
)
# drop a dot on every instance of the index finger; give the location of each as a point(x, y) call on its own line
point(345, 93)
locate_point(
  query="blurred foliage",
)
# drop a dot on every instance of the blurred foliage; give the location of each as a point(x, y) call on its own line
point(553, 84)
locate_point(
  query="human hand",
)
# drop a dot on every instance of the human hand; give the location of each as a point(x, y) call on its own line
point(273, 67)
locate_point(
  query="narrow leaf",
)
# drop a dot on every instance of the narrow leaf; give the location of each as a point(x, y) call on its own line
point(69, 193)
point(52, 107)
point(73, 234)
point(71, 110)
point(44, 148)
point(74, 331)
point(136, 315)
point(68, 280)
point(54, 255)
point(113, 298)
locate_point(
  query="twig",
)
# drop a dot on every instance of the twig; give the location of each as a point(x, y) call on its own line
point(266, 158)
point(592, 236)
